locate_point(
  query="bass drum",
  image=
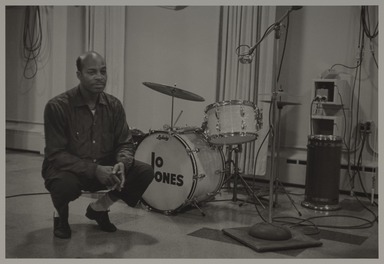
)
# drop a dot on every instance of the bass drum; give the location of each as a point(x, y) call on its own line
point(187, 170)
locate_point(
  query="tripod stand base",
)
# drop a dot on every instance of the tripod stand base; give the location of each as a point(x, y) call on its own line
point(298, 240)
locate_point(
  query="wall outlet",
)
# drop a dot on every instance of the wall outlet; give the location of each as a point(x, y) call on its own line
point(366, 127)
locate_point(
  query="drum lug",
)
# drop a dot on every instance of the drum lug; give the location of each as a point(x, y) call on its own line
point(204, 125)
point(242, 113)
point(259, 118)
point(218, 127)
point(205, 134)
point(199, 177)
point(214, 147)
point(217, 172)
point(243, 124)
point(168, 212)
point(217, 112)
point(191, 151)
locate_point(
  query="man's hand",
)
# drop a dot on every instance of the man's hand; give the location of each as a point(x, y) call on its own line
point(106, 176)
point(119, 171)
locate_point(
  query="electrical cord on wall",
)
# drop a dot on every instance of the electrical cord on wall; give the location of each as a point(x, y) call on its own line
point(310, 115)
point(356, 85)
point(357, 161)
point(366, 28)
point(374, 151)
point(365, 21)
point(32, 40)
point(357, 146)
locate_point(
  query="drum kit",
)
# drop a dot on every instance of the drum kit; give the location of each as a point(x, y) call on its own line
point(189, 163)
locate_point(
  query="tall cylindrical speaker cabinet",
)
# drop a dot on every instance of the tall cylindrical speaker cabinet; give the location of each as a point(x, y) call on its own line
point(323, 172)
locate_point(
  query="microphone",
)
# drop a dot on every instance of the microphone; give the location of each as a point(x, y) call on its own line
point(245, 59)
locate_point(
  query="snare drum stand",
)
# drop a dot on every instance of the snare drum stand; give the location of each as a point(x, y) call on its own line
point(236, 176)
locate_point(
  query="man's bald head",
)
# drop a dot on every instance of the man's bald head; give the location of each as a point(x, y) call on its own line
point(87, 56)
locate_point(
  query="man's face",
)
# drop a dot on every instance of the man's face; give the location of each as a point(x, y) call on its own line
point(93, 76)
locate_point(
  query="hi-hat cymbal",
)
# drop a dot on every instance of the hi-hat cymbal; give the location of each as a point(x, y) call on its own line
point(174, 91)
point(281, 103)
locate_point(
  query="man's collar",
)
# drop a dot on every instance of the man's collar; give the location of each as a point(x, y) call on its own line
point(78, 99)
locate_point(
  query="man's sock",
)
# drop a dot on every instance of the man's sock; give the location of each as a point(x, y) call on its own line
point(103, 203)
point(56, 213)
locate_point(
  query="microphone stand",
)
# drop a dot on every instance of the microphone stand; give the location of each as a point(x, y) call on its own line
point(267, 230)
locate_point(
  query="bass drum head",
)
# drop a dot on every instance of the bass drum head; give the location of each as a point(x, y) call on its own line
point(177, 160)
point(173, 171)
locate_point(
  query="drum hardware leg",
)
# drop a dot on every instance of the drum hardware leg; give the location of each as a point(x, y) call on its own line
point(147, 208)
point(237, 176)
point(245, 184)
point(194, 203)
point(212, 195)
point(227, 170)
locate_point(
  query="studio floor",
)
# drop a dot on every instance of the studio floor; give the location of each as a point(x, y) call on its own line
point(144, 234)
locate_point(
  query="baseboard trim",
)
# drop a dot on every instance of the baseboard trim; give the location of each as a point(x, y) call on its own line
point(25, 136)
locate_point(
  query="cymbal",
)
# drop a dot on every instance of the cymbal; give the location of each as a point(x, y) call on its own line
point(281, 103)
point(174, 91)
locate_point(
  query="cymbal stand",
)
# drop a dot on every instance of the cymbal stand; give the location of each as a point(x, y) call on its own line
point(237, 176)
point(172, 107)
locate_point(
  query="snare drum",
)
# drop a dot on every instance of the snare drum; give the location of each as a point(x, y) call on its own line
point(232, 122)
point(187, 169)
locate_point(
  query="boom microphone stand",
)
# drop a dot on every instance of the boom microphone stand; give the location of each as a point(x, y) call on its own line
point(267, 236)
point(266, 229)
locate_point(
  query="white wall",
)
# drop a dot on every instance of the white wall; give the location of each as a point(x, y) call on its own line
point(170, 47)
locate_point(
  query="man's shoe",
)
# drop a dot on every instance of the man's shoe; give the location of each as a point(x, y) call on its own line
point(61, 228)
point(102, 219)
